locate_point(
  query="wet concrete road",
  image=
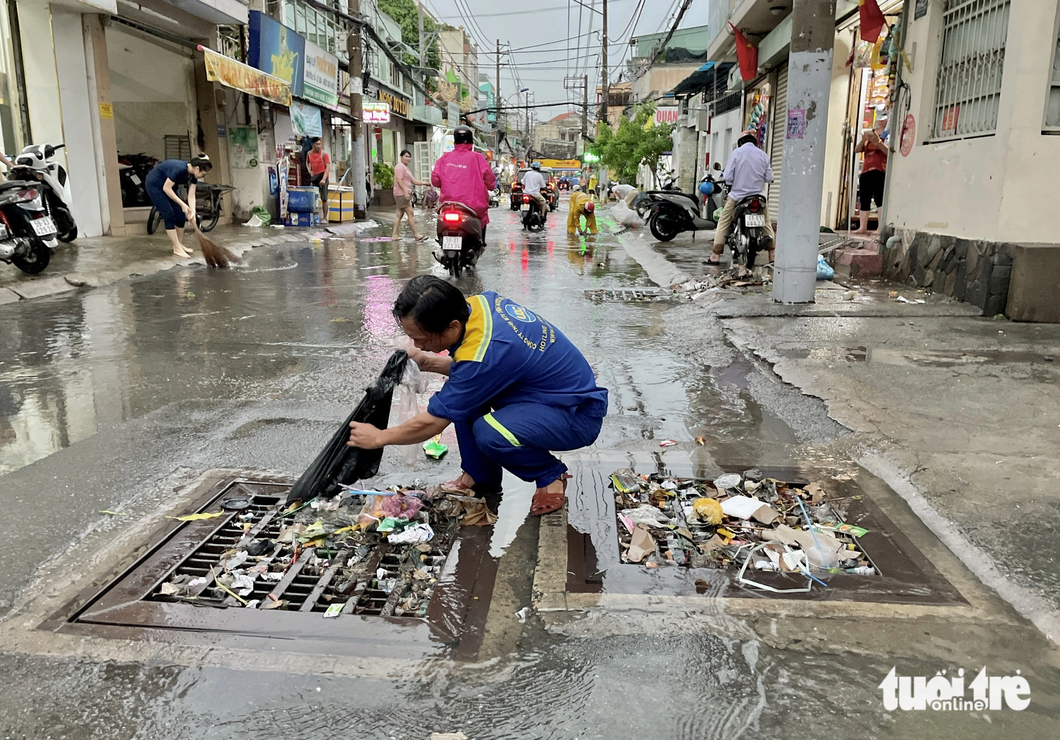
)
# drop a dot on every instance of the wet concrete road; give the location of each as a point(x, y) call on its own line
point(111, 398)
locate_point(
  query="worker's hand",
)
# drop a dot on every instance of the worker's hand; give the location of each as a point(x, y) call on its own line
point(365, 436)
point(421, 358)
point(188, 212)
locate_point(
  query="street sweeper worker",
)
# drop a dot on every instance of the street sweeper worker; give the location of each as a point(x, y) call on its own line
point(518, 390)
point(581, 204)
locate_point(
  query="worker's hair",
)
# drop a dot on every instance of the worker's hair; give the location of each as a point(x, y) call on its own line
point(432, 303)
point(404, 152)
point(202, 161)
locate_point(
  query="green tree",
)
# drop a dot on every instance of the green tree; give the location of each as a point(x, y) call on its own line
point(634, 143)
point(404, 12)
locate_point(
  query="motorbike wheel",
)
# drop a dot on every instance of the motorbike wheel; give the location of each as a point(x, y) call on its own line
point(153, 220)
point(537, 222)
point(38, 258)
point(664, 227)
point(209, 219)
point(455, 267)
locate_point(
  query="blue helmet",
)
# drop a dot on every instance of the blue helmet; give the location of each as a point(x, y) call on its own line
point(707, 188)
point(535, 166)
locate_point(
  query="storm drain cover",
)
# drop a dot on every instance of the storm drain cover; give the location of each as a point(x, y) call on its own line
point(243, 561)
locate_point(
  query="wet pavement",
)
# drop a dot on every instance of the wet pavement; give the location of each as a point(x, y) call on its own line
point(112, 399)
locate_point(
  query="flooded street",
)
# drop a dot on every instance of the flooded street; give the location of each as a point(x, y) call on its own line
point(112, 399)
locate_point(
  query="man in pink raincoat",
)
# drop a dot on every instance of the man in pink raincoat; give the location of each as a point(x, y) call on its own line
point(465, 176)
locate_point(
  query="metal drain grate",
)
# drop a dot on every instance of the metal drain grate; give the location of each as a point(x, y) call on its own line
point(372, 582)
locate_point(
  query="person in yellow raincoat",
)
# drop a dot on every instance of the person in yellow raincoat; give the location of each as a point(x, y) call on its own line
point(581, 204)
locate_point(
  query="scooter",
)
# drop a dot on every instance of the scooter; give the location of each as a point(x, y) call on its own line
point(671, 212)
point(533, 216)
point(747, 236)
point(35, 163)
point(27, 233)
point(551, 196)
point(460, 236)
point(495, 198)
point(517, 196)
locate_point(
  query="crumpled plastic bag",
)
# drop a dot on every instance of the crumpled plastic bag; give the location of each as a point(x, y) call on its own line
point(824, 270)
point(649, 516)
point(406, 406)
point(626, 216)
point(398, 506)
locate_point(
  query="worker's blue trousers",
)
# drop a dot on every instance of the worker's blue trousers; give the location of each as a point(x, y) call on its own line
point(520, 438)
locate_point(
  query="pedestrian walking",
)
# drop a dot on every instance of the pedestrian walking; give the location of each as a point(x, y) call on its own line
point(319, 165)
point(174, 211)
point(873, 173)
point(403, 183)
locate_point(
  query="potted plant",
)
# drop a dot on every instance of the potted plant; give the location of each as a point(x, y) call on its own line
point(383, 175)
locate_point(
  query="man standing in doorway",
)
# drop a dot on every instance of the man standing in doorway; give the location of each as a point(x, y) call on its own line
point(319, 165)
point(747, 173)
point(873, 172)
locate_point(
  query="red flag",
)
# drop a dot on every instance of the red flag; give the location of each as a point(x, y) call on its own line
point(871, 20)
point(746, 54)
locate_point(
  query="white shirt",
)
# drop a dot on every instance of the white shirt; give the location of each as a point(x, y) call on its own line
point(748, 172)
point(622, 190)
point(533, 181)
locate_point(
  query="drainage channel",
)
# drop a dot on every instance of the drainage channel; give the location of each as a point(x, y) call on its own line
point(598, 541)
point(194, 583)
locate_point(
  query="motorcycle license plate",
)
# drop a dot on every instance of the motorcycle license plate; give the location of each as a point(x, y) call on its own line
point(452, 243)
point(754, 219)
point(43, 226)
point(524, 207)
point(136, 180)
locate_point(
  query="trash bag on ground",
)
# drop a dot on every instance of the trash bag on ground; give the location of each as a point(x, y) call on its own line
point(626, 216)
point(337, 463)
point(824, 270)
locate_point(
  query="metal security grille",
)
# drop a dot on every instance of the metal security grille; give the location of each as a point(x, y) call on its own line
point(968, 83)
point(780, 127)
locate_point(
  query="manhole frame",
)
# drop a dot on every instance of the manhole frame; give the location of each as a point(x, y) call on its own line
point(129, 613)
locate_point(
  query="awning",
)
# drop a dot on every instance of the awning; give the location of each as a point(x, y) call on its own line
point(704, 77)
point(245, 78)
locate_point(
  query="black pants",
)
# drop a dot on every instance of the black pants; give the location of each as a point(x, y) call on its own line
point(870, 188)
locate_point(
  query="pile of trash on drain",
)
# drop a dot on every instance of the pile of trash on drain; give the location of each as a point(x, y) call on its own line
point(381, 550)
point(734, 277)
point(746, 520)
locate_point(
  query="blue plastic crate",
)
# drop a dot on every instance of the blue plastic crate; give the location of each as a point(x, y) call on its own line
point(302, 200)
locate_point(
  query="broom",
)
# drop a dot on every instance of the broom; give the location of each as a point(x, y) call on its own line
point(215, 254)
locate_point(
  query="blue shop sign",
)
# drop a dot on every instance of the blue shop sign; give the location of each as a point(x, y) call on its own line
point(277, 50)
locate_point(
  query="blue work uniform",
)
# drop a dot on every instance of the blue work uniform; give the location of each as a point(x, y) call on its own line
point(518, 389)
point(177, 171)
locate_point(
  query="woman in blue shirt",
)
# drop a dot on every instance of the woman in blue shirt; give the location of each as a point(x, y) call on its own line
point(518, 390)
point(175, 212)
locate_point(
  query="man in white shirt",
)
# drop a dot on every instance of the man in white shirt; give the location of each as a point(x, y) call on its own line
point(747, 173)
point(628, 193)
point(533, 181)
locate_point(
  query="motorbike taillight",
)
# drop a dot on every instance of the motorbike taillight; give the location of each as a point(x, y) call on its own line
point(526, 199)
point(755, 206)
point(28, 194)
point(451, 217)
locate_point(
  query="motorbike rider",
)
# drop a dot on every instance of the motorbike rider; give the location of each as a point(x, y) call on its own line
point(533, 181)
point(463, 175)
point(581, 204)
point(746, 174)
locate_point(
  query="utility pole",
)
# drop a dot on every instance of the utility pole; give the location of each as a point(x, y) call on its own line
point(423, 42)
point(799, 215)
point(357, 158)
point(603, 68)
point(497, 96)
point(585, 107)
point(528, 142)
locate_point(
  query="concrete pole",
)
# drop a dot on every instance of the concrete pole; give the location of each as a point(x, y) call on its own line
point(585, 108)
point(799, 216)
point(357, 157)
point(423, 44)
point(497, 97)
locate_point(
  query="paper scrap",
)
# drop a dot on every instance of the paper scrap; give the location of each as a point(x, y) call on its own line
point(766, 514)
point(740, 507)
point(641, 545)
point(333, 611)
point(413, 535)
point(197, 517)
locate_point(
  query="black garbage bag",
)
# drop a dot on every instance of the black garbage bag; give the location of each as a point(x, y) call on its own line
point(338, 463)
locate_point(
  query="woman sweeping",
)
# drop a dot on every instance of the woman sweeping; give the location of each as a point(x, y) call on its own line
point(175, 212)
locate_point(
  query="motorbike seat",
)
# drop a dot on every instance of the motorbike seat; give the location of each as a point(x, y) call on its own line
point(19, 184)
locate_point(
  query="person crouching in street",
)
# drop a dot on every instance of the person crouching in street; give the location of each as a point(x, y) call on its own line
point(581, 204)
point(403, 184)
point(626, 193)
point(319, 165)
point(746, 174)
point(175, 212)
point(518, 390)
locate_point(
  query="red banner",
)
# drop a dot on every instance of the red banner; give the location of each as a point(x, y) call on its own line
point(871, 20)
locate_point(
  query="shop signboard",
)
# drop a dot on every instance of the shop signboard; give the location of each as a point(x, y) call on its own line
point(276, 50)
point(320, 83)
point(239, 76)
point(243, 145)
point(666, 115)
point(305, 119)
point(398, 104)
point(920, 10)
point(453, 111)
point(375, 113)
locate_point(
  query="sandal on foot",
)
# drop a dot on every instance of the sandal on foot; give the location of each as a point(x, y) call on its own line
point(711, 261)
point(458, 486)
point(422, 238)
point(545, 502)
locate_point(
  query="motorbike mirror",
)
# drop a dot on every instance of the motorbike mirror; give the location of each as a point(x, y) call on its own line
point(717, 165)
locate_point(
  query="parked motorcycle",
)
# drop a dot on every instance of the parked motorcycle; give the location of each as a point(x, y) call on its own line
point(132, 176)
point(495, 198)
point(27, 232)
point(460, 236)
point(671, 212)
point(532, 215)
point(747, 235)
point(35, 164)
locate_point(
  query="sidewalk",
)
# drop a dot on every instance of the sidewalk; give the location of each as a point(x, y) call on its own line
point(957, 413)
point(102, 260)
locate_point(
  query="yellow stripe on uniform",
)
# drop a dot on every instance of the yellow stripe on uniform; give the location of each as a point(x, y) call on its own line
point(477, 332)
point(502, 430)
